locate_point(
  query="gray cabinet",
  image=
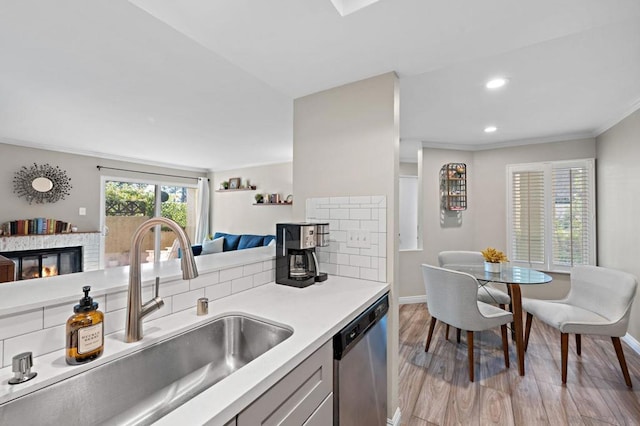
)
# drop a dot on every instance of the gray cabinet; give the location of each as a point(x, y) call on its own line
point(301, 396)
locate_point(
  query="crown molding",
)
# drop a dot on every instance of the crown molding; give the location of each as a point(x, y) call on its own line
point(87, 153)
point(508, 144)
point(634, 107)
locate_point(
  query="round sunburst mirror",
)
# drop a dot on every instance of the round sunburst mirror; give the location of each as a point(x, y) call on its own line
point(41, 183)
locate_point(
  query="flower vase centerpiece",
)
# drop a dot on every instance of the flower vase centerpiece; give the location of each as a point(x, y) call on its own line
point(493, 260)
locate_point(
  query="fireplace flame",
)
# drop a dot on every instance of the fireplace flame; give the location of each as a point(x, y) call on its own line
point(49, 271)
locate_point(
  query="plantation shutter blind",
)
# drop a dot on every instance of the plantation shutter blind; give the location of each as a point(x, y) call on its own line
point(528, 217)
point(573, 211)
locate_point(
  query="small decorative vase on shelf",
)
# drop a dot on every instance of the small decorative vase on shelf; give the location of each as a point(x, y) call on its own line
point(494, 268)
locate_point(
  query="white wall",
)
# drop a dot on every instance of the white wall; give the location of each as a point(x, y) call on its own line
point(85, 178)
point(346, 143)
point(618, 188)
point(234, 212)
point(484, 222)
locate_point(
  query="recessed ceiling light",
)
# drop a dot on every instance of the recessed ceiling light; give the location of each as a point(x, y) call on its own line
point(490, 129)
point(496, 83)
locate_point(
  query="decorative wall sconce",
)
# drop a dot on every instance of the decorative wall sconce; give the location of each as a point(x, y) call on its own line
point(42, 183)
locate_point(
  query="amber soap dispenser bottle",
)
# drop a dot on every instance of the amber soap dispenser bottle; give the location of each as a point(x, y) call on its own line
point(85, 333)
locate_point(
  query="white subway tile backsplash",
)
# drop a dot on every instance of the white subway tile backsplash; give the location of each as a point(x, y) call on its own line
point(347, 225)
point(339, 214)
point(116, 301)
point(205, 280)
point(114, 321)
point(2, 352)
point(170, 288)
point(59, 314)
point(339, 236)
point(322, 214)
point(369, 225)
point(39, 343)
point(21, 323)
point(382, 244)
point(382, 220)
point(264, 278)
point(349, 271)
point(364, 213)
point(269, 264)
point(331, 269)
point(348, 250)
point(231, 273)
point(218, 291)
point(338, 200)
point(360, 214)
point(361, 261)
point(241, 284)
point(360, 200)
point(380, 200)
point(251, 269)
point(369, 274)
point(371, 251)
point(186, 300)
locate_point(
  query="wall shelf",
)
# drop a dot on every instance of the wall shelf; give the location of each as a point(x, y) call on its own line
point(453, 186)
point(272, 204)
point(235, 190)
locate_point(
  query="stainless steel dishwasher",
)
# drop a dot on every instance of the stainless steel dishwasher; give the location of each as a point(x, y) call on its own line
point(360, 369)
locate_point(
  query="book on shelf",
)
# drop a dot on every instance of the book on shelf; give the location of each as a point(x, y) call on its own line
point(35, 226)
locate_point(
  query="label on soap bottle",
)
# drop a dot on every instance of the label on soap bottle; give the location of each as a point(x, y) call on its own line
point(89, 338)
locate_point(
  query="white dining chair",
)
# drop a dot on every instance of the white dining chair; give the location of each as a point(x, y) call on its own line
point(599, 302)
point(452, 298)
point(486, 294)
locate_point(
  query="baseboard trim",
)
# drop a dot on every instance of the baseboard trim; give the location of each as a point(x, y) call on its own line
point(396, 418)
point(406, 300)
point(632, 342)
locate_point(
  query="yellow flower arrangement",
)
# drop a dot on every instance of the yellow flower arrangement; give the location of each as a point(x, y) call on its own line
point(492, 255)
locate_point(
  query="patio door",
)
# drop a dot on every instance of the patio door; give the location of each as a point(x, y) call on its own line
point(128, 203)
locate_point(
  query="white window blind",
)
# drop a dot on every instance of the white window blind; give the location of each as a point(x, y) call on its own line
point(551, 214)
point(527, 212)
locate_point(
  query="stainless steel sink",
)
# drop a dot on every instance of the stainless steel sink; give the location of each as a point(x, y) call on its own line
point(142, 387)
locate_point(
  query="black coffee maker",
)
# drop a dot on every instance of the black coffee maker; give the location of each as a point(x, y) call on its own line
point(296, 261)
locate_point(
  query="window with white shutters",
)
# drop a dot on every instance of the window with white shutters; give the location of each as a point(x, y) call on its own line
point(551, 214)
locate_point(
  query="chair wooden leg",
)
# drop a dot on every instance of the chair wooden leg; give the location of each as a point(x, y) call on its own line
point(458, 335)
point(505, 344)
point(623, 363)
point(579, 344)
point(432, 325)
point(564, 351)
point(446, 332)
point(470, 352)
point(527, 331)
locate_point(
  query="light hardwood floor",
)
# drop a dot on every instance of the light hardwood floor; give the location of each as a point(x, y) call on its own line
point(435, 387)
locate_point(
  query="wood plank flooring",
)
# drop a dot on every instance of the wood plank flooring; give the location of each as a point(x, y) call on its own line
point(435, 388)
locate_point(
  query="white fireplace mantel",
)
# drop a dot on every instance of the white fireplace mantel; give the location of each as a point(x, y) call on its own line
point(89, 241)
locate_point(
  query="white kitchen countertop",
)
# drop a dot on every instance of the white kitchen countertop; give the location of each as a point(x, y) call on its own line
point(314, 313)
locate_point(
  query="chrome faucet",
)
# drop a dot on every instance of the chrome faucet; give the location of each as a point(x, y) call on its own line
point(136, 311)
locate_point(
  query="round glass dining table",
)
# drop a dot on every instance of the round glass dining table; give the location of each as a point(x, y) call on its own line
point(513, 277)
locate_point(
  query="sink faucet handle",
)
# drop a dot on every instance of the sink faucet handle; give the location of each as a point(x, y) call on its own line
point(21, 366)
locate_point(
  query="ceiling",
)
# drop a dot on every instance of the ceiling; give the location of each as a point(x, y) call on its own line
point(210, 84)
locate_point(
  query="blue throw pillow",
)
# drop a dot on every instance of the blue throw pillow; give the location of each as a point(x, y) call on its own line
point(230, 241)
point(268, 239)
point(249, 241)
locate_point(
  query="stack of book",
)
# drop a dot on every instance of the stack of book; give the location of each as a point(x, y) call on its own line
point(37, 226)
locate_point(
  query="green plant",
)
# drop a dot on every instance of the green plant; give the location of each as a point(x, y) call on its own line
point(259, 198)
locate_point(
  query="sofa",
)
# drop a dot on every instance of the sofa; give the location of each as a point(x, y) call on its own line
point(233, 242)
